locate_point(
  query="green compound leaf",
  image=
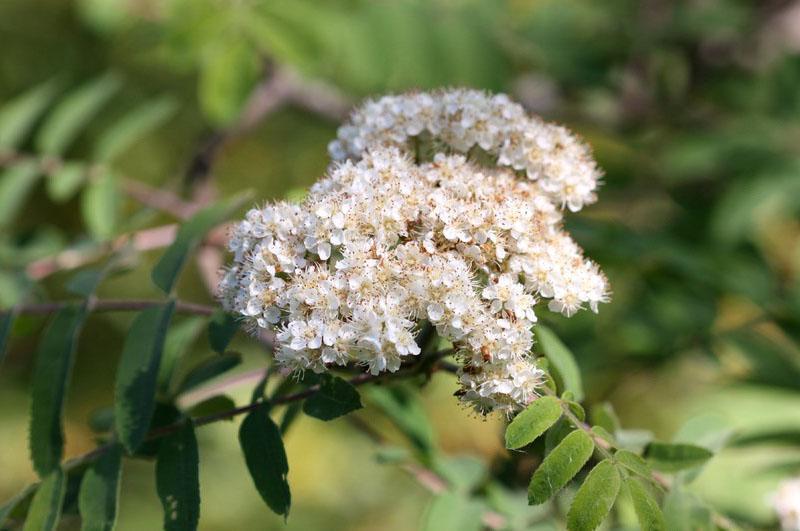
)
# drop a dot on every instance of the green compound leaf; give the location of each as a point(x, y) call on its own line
point(99, 493)
point(647, 510)
point(209, 369)
point(336, 397)
point(16, 184)
point(562, 361)
point(133, 126)
point(560, 466)
point(64, 182)
point(595, 498)
point(265, 456)
point(51, 377)
point(137, 374)
point(633, 462)
point(18, 116)
point(536, 419)
point(675, 457)
point(177, 479)
point(6, 323)
point(100, 204)
point(45, 509)
point(73, 113)
point(166, 271)
point(221, 330)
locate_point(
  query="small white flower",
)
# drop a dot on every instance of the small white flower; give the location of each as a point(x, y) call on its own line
point(382, 243)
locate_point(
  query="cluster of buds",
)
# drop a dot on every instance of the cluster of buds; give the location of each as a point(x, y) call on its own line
point(386, 244)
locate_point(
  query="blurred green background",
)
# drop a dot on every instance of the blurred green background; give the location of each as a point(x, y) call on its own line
point(692, 108)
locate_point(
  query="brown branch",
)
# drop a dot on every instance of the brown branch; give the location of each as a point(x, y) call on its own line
point(114, 305)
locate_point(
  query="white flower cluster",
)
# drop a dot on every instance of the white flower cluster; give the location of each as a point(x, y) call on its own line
point(787, 504)
point(383, 244)
point(462, 119)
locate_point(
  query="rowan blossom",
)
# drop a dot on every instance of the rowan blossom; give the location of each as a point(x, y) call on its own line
point(786, 503)
point(385, 243)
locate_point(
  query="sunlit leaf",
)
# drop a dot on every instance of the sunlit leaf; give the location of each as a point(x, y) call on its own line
point(45, 510)
point(54, 360)
point(65, 181)
point(533, 421)
point(265, 456)
point(137, 374)
point(133, 126)
point(633, 462)
point(594, 498)
point(561, 359)
point(99, 492)
point(560, 466)
point(229, 71)
point(180, 337)
point(100, 204)
point(18, 116)
point(16, 184)
point(177, 479)
point(647, 510)
point(73, 112)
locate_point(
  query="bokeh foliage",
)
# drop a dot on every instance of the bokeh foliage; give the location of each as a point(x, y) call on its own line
point(692, 109)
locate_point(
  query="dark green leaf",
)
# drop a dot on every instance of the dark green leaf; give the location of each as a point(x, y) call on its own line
point(133, 126)
point(536, 419)
point(64, 182)
point(560, 466)
point(675, 457)
point(54, 360)
point(453, 512)
point(221, 330)
point(138, 373)
point(647, 510)
point(561, 359)
point(83, 283)
point(45, 510)
point(98, 498)
point(177, 479)
point(209, 369)
point(633, 462)
point(6, 323)
point(100, 204)
point(180, 337)
point(18, 116)
point(266, 460)
point(16, 183)
point(73, 113)
point(336, 397)
point(166, 271)
point(211, 406)
point(595, 498)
